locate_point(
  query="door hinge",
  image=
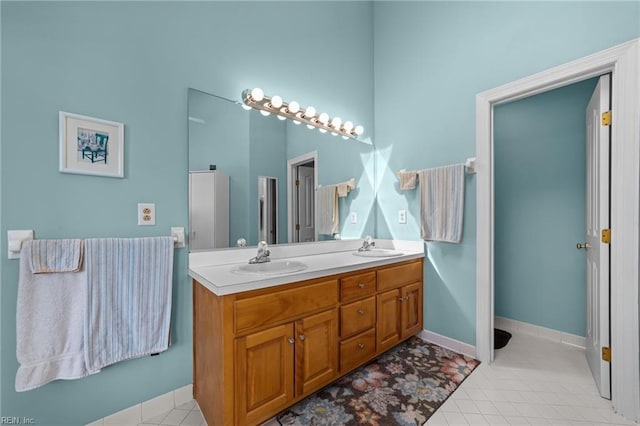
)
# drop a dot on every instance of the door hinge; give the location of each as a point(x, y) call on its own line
point(606, 236)
point(297, 182)
point(297, 226)
point(606, 353)
point(606, 118)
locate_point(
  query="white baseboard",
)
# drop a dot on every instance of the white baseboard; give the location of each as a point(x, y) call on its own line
point(149, 409)
point(535, 330)
point(449, 343)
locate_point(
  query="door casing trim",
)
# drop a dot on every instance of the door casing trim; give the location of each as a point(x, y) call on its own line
point(622, 61)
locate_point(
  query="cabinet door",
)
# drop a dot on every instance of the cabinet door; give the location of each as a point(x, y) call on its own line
point(411, 309)
point(264, 375)
point(388, 323)
point(316, 351)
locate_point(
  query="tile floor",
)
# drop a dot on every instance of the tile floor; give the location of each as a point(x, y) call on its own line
point(533, 381)
point(187, 414)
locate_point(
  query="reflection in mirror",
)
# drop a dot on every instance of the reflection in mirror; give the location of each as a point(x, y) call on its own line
point(268, 209)
point(244, 145)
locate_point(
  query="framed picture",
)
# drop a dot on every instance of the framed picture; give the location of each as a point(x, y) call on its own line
point(91, 146)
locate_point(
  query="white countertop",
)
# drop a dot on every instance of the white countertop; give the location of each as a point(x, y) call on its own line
point(213, 269)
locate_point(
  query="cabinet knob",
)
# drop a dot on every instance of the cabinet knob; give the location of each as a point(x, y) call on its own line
point(361, 345)
point(361, 311)
point(402, 299)
point(301, 337)
point(362, 285)
point(291, 340)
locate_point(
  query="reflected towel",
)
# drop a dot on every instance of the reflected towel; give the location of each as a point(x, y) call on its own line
point(442, 203)
point(345, 187)
point(55, 256)
point(50, 314)
point(129, 298)
point(328, 220)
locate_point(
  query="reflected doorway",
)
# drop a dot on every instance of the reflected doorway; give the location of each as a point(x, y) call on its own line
point(268, 209)
point(302, 177)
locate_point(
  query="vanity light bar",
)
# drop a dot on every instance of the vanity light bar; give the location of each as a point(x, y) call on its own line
point(255, 98)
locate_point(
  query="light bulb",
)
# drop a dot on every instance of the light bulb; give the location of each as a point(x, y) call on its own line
point(310, 127)
point(310, 112)
point(276, 101)
point(257, 94)
point(336, 122)
point(296, 122)
point(246, 107)
point(323, 118)
point(322, 130)
point(281, 117)
point(334, 134)
point(359, 130)
point(348, 126)
point(294, 107)
point(345, 138)
point(265, 113)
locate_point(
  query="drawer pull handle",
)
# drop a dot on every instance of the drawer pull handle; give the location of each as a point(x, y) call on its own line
point(361, 311)
point(361, 345)
point(291, 340)
point(362, 285)
point(301, 337)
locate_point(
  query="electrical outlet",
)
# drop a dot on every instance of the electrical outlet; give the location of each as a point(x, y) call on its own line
point(353, 217)
point(402, 216)
point(146, 214)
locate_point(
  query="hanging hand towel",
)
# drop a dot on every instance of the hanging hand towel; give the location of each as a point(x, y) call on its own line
point(55, 256)
point(327, 221)
point(442, 203)
point(407, 179)
point(129, 298)
point(50, 314)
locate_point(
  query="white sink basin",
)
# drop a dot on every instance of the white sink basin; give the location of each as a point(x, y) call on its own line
point(378, 252)
point(270, 268)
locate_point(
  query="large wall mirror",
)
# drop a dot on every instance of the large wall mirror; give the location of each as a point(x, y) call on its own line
point(258, 178)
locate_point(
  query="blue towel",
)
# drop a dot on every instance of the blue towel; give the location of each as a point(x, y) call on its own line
point(129, 298)
point(48, 256)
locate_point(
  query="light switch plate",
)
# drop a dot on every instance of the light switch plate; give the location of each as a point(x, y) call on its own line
point(353, 216)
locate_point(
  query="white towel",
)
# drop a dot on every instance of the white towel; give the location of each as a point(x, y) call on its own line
point(129, 298)
point(327, 222)
point(50, 314)
point(442, 203)
point(49, 256)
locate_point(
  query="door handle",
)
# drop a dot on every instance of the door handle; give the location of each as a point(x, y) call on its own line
point(582, 246)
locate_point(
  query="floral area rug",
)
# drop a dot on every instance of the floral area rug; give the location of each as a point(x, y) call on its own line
point(403, 386)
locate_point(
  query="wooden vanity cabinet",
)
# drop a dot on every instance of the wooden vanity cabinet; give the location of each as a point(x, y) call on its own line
point(258, 352)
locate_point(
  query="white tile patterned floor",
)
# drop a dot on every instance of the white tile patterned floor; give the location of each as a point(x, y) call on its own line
point(533, 381)
point(187, 414)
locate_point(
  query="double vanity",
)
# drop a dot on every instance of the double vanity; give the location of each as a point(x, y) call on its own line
point(268, 334)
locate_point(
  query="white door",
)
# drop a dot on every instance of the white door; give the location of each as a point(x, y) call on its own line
point(597, 219)
point(305, 204)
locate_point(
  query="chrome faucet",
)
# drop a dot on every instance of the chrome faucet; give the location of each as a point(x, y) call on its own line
point(367, 244)
point(263, 254)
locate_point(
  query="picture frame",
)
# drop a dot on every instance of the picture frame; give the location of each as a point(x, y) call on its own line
point(91, 146)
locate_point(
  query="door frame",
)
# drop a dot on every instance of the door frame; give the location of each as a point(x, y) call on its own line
point(291, 169)
point(622, 61)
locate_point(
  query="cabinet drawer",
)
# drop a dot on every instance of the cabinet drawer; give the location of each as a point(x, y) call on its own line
point(284, 305)
point(357, 349)
point(357, 286)
point(357, 316)
point(397, 276)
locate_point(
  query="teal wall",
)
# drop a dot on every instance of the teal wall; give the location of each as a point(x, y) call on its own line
point(431, 59)
point(540, 198)
point(133, 62)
